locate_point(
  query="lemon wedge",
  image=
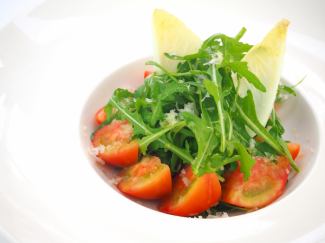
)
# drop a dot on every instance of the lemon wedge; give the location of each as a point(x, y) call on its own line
point(172, 36)
point(265, 61)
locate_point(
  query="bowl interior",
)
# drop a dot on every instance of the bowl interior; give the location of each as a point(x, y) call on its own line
point(296, 115)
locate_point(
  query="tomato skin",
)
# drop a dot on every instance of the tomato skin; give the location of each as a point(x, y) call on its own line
point(148, 179)
point(265, 184)
point(121, 155)
point(192, 195)
point(146, 73)
point(100, 116)
point(118, 149)
point(294, 149)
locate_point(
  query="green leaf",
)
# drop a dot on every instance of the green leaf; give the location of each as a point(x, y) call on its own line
point(287, 89)
point(145, 141)
point(172, 88)
point(186, 57)
point(242, 69)
point(157, 113)
point(135, 119)
point(152, 63)
point(288, 154)
point(204, 136)
point(217, 162)
point(283, 90)
point(246, 160)
point(232, 48)
point(212, 89)
point(248, 113)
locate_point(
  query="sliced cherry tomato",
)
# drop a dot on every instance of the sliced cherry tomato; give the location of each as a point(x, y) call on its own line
point(294, 149)
point(148, 179)
point(192, 195)
point(100, 116)
point(146, 73)
point(265, 184)
point(115, 145)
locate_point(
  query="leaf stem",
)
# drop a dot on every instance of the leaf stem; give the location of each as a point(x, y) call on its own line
point(145, 141)
point(199, 162)
point(152, 63)
point(220, 111)
point(240, 34)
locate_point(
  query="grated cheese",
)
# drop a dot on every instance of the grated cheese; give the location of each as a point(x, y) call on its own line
point(98, 150)
point(188, 107)
point(171, 117)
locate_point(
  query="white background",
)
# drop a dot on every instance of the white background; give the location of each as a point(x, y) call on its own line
point(306, 15)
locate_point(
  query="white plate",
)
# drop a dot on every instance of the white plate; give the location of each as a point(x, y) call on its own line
point(49, 192)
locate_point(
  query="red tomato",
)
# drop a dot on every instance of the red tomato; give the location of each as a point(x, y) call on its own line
point(115, 141)
point(146, 73)
point(294, 149)
point(192, 195)
point(148, 179)
point(100, 116)
point(265, 184)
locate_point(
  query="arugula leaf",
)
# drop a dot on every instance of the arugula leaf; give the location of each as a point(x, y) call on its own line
point(212, 88)
point(248, 113)
point(157, 113)
point(277, 129)
point(288, 154)
point(232, 48)
point(216, 162)
point(152, 63)
point(246, 160)
point(145, 141)
point(169, 89)
point(186, 57)
point(204, 136)
point(242, 69)
point(135, 119)
point(286, 89)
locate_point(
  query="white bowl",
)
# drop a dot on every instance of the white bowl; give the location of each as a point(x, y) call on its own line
point(303, 124)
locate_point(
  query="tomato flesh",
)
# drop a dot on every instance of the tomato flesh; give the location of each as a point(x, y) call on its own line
point(100, 116)
point(294, 149)
point(148, 179)
point(146, 73)
point(115, 141)
point(265, 184)
point(192, 195)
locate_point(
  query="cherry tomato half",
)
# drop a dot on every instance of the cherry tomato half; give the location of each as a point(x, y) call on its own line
point(115, 141)
point(148, 179)
point(192, 195)
point(265, 184)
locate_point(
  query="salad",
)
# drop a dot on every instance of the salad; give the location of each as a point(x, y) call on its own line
point(201, 135)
